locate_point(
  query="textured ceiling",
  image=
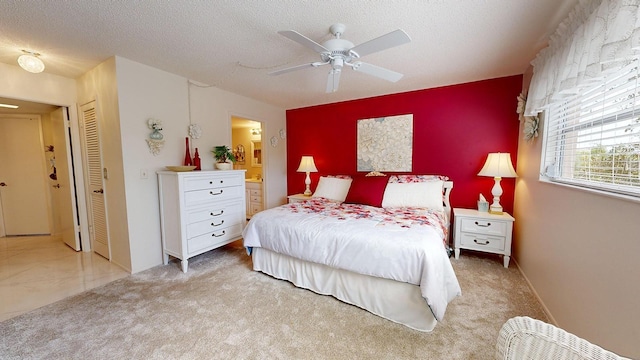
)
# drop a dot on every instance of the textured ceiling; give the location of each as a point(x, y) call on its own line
point(234, 44)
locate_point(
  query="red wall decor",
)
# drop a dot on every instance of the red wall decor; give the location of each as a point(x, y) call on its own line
point(454, 128)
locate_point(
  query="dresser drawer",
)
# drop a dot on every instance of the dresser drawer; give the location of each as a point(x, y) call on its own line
point(482, 242)
point(255, 208)
point(212, 181)
point(225, 220)
point(215, 211)
point(481, 226)
point(256, 192)
point(256, 199)
point(213, 238)
point(198, 197)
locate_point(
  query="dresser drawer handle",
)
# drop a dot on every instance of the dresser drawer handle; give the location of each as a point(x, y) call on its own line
point(214, 194)
point(218, 214)
point(222, 222)
point(481, 243)
point(211, 182)
point(214, 235)
point(488, 224)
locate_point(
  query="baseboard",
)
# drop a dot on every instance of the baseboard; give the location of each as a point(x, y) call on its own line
point(552, 320)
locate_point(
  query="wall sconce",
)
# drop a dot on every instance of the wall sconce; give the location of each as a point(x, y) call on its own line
point(498, 165)
point(256, 131)
point(307, 166)
point(31, 62)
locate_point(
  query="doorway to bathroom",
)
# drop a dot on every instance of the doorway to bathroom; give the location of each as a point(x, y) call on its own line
point(248, 149)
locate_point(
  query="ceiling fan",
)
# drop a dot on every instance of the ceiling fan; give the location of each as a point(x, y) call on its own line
point(339, 52)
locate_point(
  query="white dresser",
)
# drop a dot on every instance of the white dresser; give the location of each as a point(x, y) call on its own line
point(200, 211)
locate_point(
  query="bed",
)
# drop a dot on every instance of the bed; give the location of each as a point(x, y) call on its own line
point(379, 243)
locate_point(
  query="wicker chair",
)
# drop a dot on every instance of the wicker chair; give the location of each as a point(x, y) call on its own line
point(524, 338)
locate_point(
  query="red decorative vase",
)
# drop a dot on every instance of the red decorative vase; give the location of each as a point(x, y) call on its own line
point(187, 155)
point(196, 160)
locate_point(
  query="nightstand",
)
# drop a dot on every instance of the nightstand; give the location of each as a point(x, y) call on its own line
point(298, 198)
point(482, 231)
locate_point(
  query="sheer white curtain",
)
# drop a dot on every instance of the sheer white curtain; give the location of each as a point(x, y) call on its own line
point(598, 37)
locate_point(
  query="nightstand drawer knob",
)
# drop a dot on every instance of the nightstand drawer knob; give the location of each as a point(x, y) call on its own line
point(483, 225)
point(486, 242)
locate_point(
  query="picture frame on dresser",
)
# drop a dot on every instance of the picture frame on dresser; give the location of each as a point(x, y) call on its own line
point(200, 211)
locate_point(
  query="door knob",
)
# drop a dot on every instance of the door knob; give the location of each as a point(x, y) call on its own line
point(3, 184)
point(57, 186)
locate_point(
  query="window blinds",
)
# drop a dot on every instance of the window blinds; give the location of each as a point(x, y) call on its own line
point(592, 139)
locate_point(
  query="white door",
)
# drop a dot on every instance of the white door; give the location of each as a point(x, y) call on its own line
point(23, 177)
point(92, 159)
point(64, 196)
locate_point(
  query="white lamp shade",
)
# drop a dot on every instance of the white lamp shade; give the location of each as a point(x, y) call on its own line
point(307, 164)
point(498, 165)
point(31, 63)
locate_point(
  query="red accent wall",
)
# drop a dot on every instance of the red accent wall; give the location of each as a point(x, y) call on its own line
point(454, 128)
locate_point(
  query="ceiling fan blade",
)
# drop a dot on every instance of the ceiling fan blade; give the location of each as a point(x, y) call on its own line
point(394, 38)
point(377, 71)
point(293, 68)
point(303, 40)
point(333, 80)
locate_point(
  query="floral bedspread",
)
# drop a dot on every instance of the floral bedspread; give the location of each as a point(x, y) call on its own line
point(403, 217)
point(399, 244)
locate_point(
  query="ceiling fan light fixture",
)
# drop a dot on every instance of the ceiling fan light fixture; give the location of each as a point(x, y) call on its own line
point(31, 62)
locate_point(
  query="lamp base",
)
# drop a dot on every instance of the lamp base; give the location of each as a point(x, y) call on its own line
point(307, 192)
point(496, 210)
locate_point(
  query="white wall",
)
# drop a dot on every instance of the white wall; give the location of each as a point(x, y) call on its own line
point(145, 92)
point(42, 88)
point(580, 251)
point(212, 108)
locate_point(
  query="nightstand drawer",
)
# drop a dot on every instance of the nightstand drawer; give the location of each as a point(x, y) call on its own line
point(484, 226)
point(482, 242)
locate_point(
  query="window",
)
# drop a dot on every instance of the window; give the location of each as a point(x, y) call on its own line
point(592, 139)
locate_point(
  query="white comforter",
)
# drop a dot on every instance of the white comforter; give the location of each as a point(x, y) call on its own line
point(402, 245)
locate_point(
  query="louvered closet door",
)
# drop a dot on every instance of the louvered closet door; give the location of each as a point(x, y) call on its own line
point(93, 177)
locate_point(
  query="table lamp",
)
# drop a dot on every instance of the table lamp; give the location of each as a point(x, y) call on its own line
point(498, 165)
point(307, 166)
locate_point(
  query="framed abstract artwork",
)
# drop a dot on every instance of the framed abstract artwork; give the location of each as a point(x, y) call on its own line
point(385, 143)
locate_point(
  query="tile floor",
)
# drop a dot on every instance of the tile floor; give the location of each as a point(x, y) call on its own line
point(39, 270)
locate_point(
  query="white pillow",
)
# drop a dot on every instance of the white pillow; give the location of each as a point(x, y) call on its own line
point(426, 194)
point(332, 188)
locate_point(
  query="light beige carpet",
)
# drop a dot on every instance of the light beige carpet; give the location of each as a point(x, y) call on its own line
point(221, 309)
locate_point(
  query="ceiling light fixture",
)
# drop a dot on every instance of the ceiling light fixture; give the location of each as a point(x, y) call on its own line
point(31, 62)
point(9, 106)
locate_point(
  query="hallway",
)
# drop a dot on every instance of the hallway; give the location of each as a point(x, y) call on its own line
point(39, 270)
